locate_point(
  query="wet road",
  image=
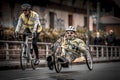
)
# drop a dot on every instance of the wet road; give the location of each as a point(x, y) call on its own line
point(102, 71)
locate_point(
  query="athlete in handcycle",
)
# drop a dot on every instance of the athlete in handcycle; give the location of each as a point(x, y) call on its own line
point(29, 22)
point(66, 49)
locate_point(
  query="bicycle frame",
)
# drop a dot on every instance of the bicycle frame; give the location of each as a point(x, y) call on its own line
point(27, 58)
point(26, 46)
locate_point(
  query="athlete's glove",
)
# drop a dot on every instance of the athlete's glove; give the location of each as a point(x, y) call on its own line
point(75, 47)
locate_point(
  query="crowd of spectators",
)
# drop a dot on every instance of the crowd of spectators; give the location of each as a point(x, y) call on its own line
point(109, 40)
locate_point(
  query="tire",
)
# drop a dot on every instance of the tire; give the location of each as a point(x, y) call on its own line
point(57, 63)
point(23, 59)
point(33, 64)
point(89, 60)
point(32, 59)
point(50, 62)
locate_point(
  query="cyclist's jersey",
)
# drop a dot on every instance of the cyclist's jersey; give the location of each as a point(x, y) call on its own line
point(31, 21)
point(75, 42)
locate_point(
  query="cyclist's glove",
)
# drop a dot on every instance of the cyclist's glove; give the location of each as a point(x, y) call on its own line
point(75, 47)
point(34, 34)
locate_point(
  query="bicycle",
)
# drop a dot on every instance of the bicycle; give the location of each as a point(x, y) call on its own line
point(26, 54)
point(70, 55)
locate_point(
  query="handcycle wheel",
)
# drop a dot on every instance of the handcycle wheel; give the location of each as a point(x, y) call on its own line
point(89, 60)
point(57, 63)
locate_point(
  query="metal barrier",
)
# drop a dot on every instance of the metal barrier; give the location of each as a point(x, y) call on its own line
point(105, 53)
point(10, 50)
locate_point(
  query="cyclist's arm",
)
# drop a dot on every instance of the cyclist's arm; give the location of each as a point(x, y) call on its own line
point(19, 24)
point(82, 46)
point(36, 23)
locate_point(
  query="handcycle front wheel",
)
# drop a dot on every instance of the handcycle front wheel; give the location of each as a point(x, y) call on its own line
point(89, 60)
point(57, 64)
point(56, 61)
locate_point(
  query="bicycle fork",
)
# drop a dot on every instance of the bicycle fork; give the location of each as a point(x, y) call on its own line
point(27, 50)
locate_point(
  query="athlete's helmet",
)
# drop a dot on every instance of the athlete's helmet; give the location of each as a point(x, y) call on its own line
point(26, 6)
point(70, 28)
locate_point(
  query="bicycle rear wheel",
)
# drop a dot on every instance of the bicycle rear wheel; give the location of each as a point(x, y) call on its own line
point(89, 60)
point(33, 64)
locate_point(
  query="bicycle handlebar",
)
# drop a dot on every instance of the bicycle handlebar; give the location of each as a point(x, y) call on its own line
point(25, 33)
point(17, 35)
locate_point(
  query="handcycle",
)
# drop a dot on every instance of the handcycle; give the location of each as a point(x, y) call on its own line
point(27, 58)
point(70, 55)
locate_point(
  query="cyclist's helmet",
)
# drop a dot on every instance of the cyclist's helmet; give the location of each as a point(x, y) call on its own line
point(70, 28)
point(26, 6)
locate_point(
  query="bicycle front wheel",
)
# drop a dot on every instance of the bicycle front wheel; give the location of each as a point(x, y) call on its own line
point(89, 60)
point(23, 58)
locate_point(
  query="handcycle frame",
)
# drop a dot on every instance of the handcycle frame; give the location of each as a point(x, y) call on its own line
point(26, 56)
point(71, 55)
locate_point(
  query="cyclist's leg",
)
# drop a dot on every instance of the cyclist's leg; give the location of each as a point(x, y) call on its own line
point(35, 48)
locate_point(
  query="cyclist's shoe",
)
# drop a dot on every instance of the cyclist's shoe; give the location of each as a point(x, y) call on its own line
point(50, 62)
point(36, 62)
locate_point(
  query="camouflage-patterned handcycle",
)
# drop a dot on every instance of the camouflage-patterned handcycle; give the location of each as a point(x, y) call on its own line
point(62, 57)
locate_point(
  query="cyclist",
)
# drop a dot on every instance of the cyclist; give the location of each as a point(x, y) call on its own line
point(71, 42)
point(29, 21)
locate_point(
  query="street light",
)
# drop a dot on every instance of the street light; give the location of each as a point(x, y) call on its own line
point(88, 14)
